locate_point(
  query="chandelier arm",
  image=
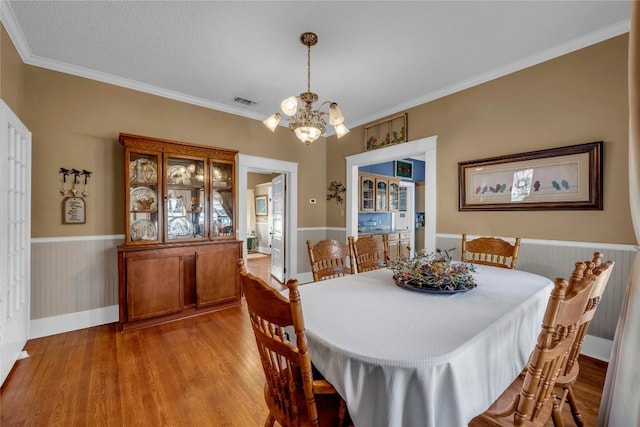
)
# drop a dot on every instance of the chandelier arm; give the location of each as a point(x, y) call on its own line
point(323, 104)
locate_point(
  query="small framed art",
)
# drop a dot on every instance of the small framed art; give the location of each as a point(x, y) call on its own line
point(261, 205)
point(73, 210)
point(403, 169)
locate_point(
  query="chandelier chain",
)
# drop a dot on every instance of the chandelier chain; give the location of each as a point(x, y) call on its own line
point(308, 68)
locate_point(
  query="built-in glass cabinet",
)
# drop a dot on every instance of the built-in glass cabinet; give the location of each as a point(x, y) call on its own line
point(379, 193)
point(177, 193)
point(180, 251)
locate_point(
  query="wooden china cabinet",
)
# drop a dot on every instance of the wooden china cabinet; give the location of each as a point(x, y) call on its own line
point(180, 249)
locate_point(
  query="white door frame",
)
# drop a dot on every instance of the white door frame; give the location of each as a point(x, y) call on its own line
point(246, 164)
point(411, 211)
point(422, 147)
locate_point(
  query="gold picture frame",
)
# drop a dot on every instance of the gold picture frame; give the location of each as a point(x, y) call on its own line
point(386, 132)
point(564, 178)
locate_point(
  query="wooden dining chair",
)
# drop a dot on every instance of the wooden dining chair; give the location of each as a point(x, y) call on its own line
point(570, 371)
point(490, 251)
point(368, 252)
point(293, 396)
point(530, 400)
point(329, 259)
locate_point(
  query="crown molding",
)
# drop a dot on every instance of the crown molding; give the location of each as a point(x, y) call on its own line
point(554, 52)
point(15, 33)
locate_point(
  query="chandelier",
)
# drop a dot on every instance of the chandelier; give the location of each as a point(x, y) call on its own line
point(307, 123)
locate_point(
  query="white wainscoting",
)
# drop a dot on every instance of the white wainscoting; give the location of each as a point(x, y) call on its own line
point(552, 258)
point(262, 236)
point(74, 283)
point(314, 234)
point(74, 280)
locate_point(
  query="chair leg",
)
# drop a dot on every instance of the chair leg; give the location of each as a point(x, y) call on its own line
point(573, 404)
point(342, 412)
point(270, 421)
point(556, 414)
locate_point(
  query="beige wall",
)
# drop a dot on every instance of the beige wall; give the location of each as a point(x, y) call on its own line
point(577, 98)
point(254, 179)
point(76, 122)
point(11, 74)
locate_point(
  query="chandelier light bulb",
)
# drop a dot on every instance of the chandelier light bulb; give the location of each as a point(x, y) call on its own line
point(341, 130)
point(289, 106)
point(272, 122)
point(335, 115)
point(307, 134)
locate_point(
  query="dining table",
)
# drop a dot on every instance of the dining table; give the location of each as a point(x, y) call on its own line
point(400, 358)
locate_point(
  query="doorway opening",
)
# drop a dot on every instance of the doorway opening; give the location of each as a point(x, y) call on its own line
point(422, 149)
point(247, 164)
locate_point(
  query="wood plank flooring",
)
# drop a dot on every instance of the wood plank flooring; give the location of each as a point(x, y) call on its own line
point(202, 371)
point(261, 267)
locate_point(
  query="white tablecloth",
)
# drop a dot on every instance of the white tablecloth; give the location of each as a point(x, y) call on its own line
point(403, 358)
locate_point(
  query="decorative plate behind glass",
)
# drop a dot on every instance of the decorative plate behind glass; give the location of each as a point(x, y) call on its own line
point(143, 229)
point(143, 170)
point(143, 199)
point(178, 174)
point(180, 227)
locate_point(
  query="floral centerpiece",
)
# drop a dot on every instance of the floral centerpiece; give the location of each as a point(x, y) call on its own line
point(433, 271)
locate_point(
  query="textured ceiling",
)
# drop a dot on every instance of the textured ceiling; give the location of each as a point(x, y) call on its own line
point(373, 58)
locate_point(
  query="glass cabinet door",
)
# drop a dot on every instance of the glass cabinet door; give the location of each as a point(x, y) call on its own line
point(185, 198)
point(367, 191)
point(142, 199)
point(394, 196)
point(381, 195)
point(222, 215)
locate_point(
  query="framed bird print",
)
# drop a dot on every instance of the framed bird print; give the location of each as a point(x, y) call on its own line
point(563, 178)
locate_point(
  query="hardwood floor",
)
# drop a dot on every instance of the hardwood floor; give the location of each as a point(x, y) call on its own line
point(201, 371)
point(261, 267)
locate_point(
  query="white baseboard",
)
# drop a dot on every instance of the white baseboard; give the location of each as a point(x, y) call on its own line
point(305, 277)
point(598, 348)
point(73, 321)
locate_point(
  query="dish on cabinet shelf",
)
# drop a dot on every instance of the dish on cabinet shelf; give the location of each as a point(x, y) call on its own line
point(180, 227)
point(143, 199)
point(143, 170)
point(143, 229)
point(218, 175)
point(178, 174)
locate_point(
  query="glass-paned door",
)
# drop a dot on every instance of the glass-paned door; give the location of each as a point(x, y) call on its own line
point(143, 198)
point(186, 207)
point(394, 196)
point(222, 215)
point(367, 191)
point(382, 195)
